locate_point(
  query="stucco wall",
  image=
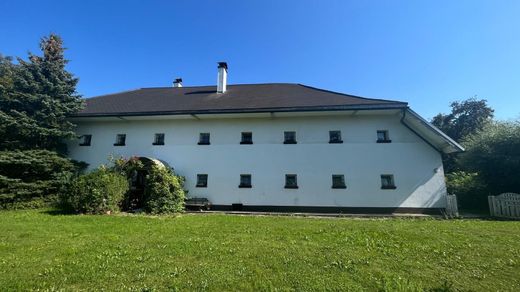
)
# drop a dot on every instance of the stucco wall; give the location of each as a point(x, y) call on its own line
point(416, 166)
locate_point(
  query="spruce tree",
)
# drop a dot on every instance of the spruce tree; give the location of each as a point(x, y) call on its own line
point(36, 97)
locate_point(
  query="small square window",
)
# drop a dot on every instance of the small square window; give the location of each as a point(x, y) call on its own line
point(338, 181)
point(158, 139)
point(204, 139)
point(202, 181)
point(291, 181)
point(382, 136)
point(335, 137)
point(85, 140)
point(120, 140)
point(247, 138)
point(245, 181)
point(289, 137)
point(387, 182)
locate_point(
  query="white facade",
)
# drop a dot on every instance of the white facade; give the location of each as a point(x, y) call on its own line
point(415, 165)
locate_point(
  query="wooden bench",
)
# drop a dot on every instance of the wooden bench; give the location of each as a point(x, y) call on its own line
point(199, 204)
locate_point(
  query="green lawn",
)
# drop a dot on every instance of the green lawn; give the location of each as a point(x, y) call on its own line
point(41, 250)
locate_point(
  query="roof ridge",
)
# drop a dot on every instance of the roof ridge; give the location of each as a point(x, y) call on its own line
point(238, 84)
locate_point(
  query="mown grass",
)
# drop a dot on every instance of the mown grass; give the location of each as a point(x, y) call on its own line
point(41, 250)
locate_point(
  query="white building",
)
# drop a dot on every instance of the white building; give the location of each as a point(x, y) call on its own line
point(275, 146)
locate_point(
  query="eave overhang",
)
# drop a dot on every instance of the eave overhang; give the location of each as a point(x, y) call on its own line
point(246, 110)
point(429, 133)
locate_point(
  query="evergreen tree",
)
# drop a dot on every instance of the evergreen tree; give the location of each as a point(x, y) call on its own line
point(36, 97)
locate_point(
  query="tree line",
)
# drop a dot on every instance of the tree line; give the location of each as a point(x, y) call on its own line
point(490, 164)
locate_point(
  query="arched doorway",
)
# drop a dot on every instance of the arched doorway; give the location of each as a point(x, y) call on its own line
point(137, 177)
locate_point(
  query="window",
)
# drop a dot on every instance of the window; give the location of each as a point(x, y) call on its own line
point(291, 181)
point(202, 181)
point(204, 139)
point(382, 136)
point(85, 140)
point(338, 181)
point(247, 138)
point(335, 137)
point(245, 181)
point(120, 140)
point(289, 137)
point(387, 182)
point(159, 139)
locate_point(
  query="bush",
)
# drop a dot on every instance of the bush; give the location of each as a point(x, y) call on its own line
point(494, 153)
point(470, 189)
point(164, 192)
point(98, 192)
point(32, 175)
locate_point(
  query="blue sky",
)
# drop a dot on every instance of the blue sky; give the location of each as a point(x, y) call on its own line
point(427, 53)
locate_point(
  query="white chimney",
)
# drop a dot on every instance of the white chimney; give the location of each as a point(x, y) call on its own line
point(177, 82)
point(222, 77)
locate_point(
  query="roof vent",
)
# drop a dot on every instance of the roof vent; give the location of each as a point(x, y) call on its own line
point(222, 77)
point(177, 82)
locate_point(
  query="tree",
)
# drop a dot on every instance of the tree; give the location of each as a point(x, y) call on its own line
point(494, 153)
point(466, 117)
point(6, 75)
point(32, 174)
point(36, 97)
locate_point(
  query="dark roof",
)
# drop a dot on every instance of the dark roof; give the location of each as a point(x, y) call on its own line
point(273, 97)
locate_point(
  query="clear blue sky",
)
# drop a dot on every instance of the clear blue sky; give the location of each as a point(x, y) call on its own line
point(425, 52)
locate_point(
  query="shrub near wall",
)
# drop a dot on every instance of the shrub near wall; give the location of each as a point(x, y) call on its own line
point(164, 192)
point(470, 189)
point(98, 192)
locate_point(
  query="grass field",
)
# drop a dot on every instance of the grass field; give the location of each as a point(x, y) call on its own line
point(42, 250)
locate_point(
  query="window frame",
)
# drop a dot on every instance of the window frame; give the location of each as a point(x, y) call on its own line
point(86, 140)
point(202, 177)
point(289, 186)
point(333, 141)
point(289, 141)
point(386, 136)
point(342, 184)
point(118, 140)
point(158, 142)
point(246, 185)
point(201, 140)
point(245, 141)
point(391, 179)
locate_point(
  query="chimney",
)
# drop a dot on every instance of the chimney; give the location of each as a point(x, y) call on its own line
point(177, 82)
point(222, 77)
